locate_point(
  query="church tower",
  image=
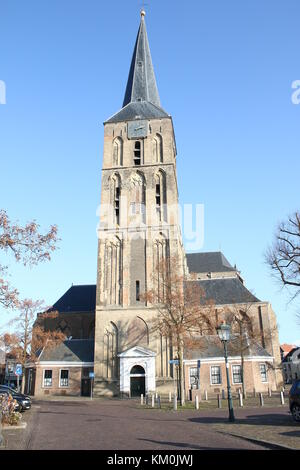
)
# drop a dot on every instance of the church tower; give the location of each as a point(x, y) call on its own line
point(138, 228)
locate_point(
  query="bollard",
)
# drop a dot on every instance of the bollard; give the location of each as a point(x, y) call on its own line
point(254, 393)
point(156, 395)
point(245, 394)
point(241, 400)
point(158, 401)
point(175, 402)
point(147, 399)
point(170, 397)
point(142, 399)
point(282, 398)
point(205, 395)
point(270, 393)
point(261, 399)
point(153, 404)
point(196, 402)
point(219, 402)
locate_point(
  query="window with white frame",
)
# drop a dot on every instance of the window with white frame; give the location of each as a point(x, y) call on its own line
point(263, 372)
point(64, 378)
point(48, 378)
point(237, 374)
point(215, 375)
point(193, 376)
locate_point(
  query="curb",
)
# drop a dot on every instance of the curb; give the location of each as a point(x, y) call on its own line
point(20, 426)
point(270, 445)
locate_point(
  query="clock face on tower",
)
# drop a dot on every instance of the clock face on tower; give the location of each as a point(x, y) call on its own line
point(137, 129)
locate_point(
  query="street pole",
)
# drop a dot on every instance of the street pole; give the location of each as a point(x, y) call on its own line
point(230, 406)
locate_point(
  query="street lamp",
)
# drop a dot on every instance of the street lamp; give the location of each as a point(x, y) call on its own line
point(224, 335)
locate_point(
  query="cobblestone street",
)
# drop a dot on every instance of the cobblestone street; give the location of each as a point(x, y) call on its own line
point(123, 425)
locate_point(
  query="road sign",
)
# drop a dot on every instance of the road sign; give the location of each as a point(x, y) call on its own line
point(91, 375)
point(174, 361)
point(198, 363)
point(18, 369)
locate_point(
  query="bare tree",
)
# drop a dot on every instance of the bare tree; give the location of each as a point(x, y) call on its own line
point(30, 336)
point(183, 313)
point(28, 246)
point(244, 332)
point(283, 256)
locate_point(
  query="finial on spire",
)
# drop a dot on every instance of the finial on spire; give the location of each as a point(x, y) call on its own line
point(143, 13)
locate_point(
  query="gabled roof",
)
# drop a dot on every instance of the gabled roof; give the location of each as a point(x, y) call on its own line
point(226, 291)
point(75, 350)
point(289, 356)
point(137, 351)
point(77, 299)
point(141, 100)
point(211, 262)
point(210, 346)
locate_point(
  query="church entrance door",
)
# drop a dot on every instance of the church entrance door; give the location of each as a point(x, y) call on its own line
point(137, 381)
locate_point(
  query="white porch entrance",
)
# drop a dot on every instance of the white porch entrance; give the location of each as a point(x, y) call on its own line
point(137, 371)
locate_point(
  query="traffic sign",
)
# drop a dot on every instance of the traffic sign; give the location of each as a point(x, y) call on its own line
point(18, 369)
point(91, 375)
point(174, 361)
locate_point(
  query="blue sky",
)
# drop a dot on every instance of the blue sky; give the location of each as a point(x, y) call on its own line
point(224, 72)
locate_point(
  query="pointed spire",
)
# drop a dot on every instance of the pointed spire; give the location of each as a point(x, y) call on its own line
point(141, 85)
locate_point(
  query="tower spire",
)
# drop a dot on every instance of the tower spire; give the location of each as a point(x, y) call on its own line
point(141, 84)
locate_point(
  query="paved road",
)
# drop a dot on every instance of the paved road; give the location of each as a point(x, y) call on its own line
point(122, 425)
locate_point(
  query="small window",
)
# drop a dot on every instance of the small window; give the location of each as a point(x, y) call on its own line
point(215, 372)
point(193, 377)
point(137, 291)
point(48, 378)
point(137, 153)
point(237, 374)
point(263, 372)
point(64, 378)
point(117, 205)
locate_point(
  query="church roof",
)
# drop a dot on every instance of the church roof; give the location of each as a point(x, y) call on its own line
point(77, 299)
point(74, 350)
point(211, 262)
point(210, 346)
point(141, 100)
point(226, 291)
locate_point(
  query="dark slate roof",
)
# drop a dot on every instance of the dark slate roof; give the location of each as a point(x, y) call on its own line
point(226, 291)
point(141, 100)
point(141, 85)
point(75, 350)
point(138, 110)
point(212, 262)
point(211, 346)
point(77, 299)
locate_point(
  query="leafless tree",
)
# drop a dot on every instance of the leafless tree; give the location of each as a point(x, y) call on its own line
point(29, 336)
point(182, 311)
point(28, 246)
point(283, 256)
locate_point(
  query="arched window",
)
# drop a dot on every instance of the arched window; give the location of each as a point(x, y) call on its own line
point(111, 350)
point(137, 159)
point(118, 152)
point(157, 149)
point(138, 195)
point(116, 197)
point(160, 266)
point(113, 263)
point(161, 195)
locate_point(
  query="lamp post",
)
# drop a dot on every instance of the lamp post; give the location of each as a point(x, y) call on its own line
point(224, 335)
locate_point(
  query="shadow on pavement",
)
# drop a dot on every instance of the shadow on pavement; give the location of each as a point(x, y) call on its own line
point(183, 445)
point(255, 420)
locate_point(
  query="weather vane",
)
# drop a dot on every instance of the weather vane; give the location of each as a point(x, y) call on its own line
point(143, 5)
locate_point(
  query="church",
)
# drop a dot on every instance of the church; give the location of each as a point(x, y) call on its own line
point(110, 346)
